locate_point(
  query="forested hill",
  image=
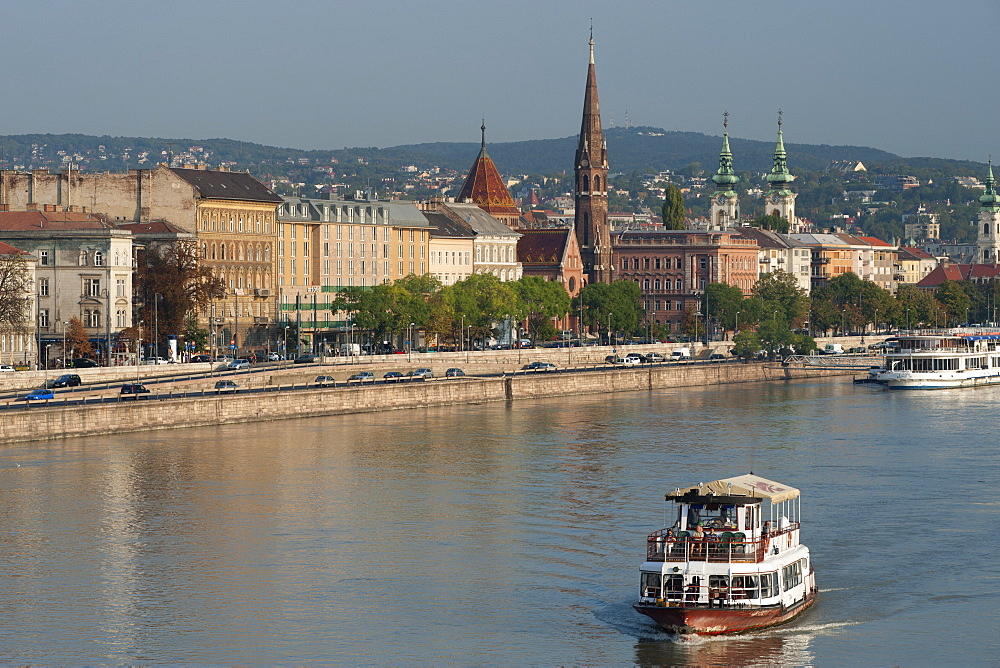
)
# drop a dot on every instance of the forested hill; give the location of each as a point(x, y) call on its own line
point(629, 149)
point(640, 148)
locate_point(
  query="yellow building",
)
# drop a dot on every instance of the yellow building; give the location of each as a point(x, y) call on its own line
point(325, 245)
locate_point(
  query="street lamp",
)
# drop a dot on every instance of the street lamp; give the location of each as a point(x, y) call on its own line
point(65, 325)
point(156, 325)
point(46, 367)
point(138, 346)
point(409, 342)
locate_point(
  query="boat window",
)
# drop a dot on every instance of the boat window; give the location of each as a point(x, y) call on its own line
point(716, 515)
point(673, 586)
point(768, 584)
point(718, 581)
point(744, 586)
point(791, 575)
point(650, 584)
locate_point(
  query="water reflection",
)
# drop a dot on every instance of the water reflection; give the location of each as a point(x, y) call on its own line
point(476, 534)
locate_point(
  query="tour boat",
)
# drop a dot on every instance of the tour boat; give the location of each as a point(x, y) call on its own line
point(938, 360)
point(731, 562)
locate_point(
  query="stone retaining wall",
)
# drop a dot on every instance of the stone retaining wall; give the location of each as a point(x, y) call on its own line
point(32, 423)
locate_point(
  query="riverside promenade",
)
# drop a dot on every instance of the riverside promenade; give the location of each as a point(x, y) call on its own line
point(286, 392)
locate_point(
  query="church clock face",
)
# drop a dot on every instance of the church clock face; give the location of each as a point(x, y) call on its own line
point(775, 199)
point(721, 200)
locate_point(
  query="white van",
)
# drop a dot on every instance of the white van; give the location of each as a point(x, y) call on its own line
point(680, 354)
point(833, 349)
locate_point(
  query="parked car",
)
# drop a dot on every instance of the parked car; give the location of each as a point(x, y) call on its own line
point(41, 394)
point(362, 377)
point(6, 367)
point(132, 390)
point(306, 358)
point(84, 363)
point(716, 357)
point(653, 358)
point(201, 358)
point(236, 365)
point(454, 373)
point(155, 360)
point(635, 358)
point(392, 377)
point(323, 381)
point(622, 361)
point(422, 372)
point(539, 366)
point(66, 380)
point(226, 386)
point(275, 357)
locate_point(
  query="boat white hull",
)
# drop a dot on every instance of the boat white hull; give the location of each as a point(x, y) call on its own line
point(908, 380)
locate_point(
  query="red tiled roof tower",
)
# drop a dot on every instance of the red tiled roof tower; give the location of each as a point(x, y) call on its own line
point(486, 188)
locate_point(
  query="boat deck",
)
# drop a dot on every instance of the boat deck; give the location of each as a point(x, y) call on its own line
point(728, 547)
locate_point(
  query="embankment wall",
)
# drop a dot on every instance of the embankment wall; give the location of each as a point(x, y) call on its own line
point(32, 423)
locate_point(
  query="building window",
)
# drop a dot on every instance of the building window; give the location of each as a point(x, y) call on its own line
point(43, 258)
point(92, 287)
point(43, 318)
point(43, 287)
point(98, 259)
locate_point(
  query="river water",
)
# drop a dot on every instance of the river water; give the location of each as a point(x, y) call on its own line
point(499, 534)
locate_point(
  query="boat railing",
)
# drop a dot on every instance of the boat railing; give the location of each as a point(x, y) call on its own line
point(702, 596)
point(726, 547)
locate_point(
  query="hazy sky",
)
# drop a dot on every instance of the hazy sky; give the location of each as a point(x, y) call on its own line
point(914, 77)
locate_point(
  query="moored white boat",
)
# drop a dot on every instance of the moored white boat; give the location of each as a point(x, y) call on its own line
point(731, 562)
point(942, 359)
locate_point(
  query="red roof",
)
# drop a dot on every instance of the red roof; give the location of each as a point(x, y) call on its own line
point(7, 249)
point(959, 272)
point(15, 221)
point(542, 246)
point(916, 253)
point(874, 241)
point(485, 187)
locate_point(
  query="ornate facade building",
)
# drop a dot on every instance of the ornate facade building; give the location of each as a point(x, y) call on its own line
point(83, 270)
point(779, 200)
point(673, 268)
point(988, 237)
point(591, 168)
point(231, 215)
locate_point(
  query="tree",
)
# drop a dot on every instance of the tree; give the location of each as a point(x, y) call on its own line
point(542, 301)
point(779, 291)
point(673, 208)
point(615, 306)
point(746, 344)
point(773, 223)
point(485, 301)
point(77, 339)
point(723, 302)
point(15, 287)
point(915, 306)
point(174, 271)
point(775, 335)
point(955, 301)
point(692, 326)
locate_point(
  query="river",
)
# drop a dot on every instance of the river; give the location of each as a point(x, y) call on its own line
point(499, 534)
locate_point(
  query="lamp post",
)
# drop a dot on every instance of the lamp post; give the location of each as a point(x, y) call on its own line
point(461, 336)
point(107, 331)
point(47, 346)
point(409, 342)
point(468, 338)
point(138, 346)
point(64, 326)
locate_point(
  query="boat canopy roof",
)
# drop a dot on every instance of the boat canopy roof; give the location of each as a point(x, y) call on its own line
point(743, 485)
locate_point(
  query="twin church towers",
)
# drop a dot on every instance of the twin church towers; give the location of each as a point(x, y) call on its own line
point(591, 168)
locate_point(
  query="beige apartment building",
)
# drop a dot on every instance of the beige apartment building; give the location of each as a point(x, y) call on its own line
point(231, 214)
point(325, 245)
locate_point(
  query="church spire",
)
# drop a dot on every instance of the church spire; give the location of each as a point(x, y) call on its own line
point(989, 199)
point(780, 177)
point(725, 178)
point(591, 167)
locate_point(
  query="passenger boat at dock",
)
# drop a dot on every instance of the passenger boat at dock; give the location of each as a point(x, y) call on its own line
point(942, 359)
point(731, 562)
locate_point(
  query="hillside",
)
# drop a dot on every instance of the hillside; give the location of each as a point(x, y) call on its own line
point(631, 149)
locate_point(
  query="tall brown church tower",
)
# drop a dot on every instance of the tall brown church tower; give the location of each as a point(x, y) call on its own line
point(591, 220)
